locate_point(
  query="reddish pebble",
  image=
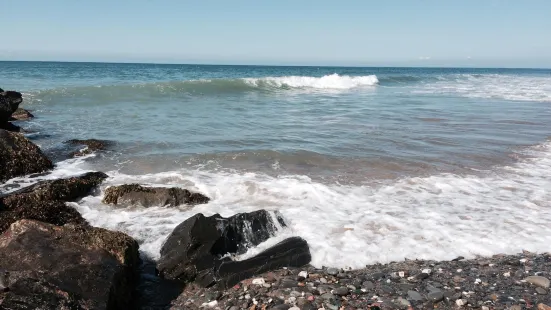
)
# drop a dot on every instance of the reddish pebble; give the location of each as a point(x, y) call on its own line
point(236, 286)
point(311, 298)
point(301, 284)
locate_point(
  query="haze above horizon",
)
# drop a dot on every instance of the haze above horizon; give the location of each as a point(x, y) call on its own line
point(495, 33)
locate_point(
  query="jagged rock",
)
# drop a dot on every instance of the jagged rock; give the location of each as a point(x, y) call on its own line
point(69, 189)
point(21, 115)
point(19, 156)
point(194, 250)
point(45, 201)
point(68, 267)
point(9, 102)
point(135, 194)
point(92, 145)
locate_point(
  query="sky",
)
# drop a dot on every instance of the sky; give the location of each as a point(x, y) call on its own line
point(465, 33)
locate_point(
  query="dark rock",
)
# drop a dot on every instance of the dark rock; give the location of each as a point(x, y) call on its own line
point(19, 156)
point(541, 291)
point(9, 102)
point(10, 127)
point(415, 296)
point(332, 271)
point(69, 189)
point(436, 296)
point(377, 275)
point(21, 115)
point(458, 259)
point(92, 145)
point(69, 267)
point(368, 285)
point(135, 194)
point(194, 250)
point(341, 291)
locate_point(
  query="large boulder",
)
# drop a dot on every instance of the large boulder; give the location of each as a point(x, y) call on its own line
point(9, 102)
point(135, 194)
point(69, 267)
point(91, 146)
point(19, 156)
point(197, 248)
point(45, 201)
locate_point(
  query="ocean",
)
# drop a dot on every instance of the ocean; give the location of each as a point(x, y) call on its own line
point(367, 164)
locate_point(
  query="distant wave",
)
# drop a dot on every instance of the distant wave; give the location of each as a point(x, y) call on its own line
point(333, 81)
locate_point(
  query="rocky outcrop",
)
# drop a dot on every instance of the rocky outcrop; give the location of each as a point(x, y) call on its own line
point(135, 194)
point(9, 102)
point(19, 156)
point(194, 251)
point(92, 145)
point(69, 267)
point(21, 115)
point(45, 201)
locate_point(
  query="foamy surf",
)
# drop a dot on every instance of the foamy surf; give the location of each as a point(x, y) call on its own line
point(436, 217)
point(332, 81)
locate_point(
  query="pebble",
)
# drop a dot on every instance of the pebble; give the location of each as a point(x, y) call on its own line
point(303, 274)
point(327, 296)
point(259, 281)
point(323, 280)
point(415, 296)
point(294, 308)
point(436, 296)
point(404, 302)
point(341, 291)
point(541, 291)
point(368, 285)
point(543, 307)
point(332, 271)
point(460, 302)
point(538, 281)
point(377, 275)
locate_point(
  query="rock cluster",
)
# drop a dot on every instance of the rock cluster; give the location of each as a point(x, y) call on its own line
point(135, 194)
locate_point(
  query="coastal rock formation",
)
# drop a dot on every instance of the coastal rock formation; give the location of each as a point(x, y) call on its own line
point(92, 145)
point(196, 250)
point(45, 201)
point(9, 102)
point(21, 115)
point(71, 267)
point(19, 156)
point(135, 194)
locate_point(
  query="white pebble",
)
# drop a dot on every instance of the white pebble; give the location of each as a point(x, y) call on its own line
point(401, 274)
point(294, 308)
point(485, 308)
point(388, 281)
point(259, 281)
point(211, 304)
point(255, 302)
point(491, 265)
point(303, 274)
point(270, 300)
point(523, 260)
point(247, 296)
point(477, 281)
point(292, 299)
point(507, 274)
point(427, 271)
point(460, 302)
point(459, 270)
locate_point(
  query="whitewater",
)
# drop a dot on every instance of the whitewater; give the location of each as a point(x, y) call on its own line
point(367, 164)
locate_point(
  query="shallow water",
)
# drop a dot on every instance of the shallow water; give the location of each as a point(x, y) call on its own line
point(367, 164)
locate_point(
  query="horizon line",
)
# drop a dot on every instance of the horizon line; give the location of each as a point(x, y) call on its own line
point(274, 65)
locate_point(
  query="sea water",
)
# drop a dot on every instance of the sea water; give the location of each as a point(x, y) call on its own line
point(367, 164)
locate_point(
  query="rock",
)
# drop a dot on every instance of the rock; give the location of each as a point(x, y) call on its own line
point(332, 271)
point(19, 156)
point(415, 296)
point(368, 285)
point(541, 291)
point(135, 194)
point(10, 127)
point(21, 114)
point(435, 296)
point(194, 250)
point(9, 102)
point(341, 291)
point(543, 307)
point(403, 303)
point(69, 267)
point(538, 281)
point(92, 145)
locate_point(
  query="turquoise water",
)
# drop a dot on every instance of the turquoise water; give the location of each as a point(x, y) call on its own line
point(408, 158)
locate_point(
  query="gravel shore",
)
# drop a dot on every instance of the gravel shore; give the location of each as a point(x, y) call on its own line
point(500, 282)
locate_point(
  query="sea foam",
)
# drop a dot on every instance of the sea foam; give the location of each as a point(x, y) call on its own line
point(436, 217)
point(333, 81)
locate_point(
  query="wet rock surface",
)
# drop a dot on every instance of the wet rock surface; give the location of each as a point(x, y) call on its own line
point(197, 248)
point(9, 102)
point(50, 267)
point(21, 115)
point(498, 282)
point(135, 194)
point(91, 146)
point(19, 156)
point(45, 201)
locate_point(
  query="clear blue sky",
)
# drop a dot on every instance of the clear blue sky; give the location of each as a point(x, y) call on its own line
point(323, 32)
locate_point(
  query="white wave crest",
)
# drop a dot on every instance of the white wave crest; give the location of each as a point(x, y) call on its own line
point(333, 81)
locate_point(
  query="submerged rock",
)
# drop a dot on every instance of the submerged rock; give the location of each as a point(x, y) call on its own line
point(194, 250)
point(19, 156)
point(92, 145)
point(69, 267)
point(21, 115)
point(135, 194)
